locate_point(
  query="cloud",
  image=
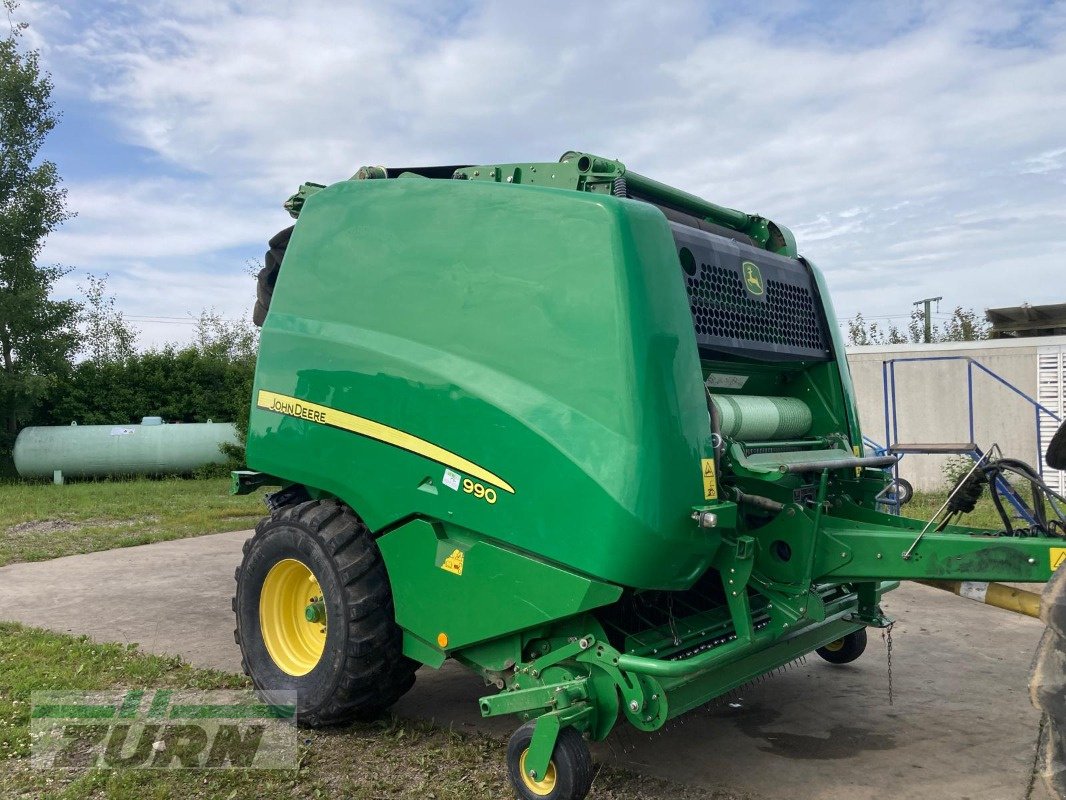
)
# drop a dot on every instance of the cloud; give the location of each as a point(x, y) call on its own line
point(904, 143)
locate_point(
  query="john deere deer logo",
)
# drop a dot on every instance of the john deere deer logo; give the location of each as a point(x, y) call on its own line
point(752, 278)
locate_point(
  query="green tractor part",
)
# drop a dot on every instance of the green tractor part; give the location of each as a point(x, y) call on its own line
point(588, 435)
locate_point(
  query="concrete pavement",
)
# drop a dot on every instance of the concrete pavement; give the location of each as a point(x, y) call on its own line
point(961, 726)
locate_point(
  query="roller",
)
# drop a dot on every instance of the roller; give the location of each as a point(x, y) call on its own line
point(750, 418)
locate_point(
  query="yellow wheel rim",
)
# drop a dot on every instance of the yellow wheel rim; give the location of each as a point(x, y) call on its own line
point(542, 788)
point(292, 617)
point(832, 647)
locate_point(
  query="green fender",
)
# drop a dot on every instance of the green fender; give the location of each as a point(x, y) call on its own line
point(447, 586)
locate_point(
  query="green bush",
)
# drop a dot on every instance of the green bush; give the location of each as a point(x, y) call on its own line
point(955, 469)
point(190, 384)
point(178, 385)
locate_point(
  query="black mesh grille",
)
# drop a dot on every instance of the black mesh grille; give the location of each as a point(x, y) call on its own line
point(785, 320)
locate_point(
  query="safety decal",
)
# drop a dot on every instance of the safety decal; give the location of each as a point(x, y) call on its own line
point(454, 562)
point(1058, 557)
point(451, 479)
point(710, 483)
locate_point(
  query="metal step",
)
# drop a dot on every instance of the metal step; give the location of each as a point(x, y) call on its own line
point(945, 448)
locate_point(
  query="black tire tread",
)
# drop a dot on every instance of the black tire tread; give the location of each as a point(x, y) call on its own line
point(375, 673)
point(854, 646)
point(268, 275)
point(573, 763)
point(1047, 684)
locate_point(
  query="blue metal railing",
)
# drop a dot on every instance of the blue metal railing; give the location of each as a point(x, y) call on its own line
point(888, 378)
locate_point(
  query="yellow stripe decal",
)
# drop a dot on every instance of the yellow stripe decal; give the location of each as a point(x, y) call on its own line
point(324, 415)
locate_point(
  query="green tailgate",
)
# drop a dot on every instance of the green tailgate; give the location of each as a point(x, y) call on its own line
point(515, 360)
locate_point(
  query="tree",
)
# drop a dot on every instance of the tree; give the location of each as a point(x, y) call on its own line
point(37, 334)
point(106, 336)
point(237, 343)
point(964, 325)
point(861, 332)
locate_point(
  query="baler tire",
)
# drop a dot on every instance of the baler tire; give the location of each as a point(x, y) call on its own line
point(1047, 684)
point(904, 491)
point(360, 669)
point(570, 770)
point(846, 649)
point(268, 275)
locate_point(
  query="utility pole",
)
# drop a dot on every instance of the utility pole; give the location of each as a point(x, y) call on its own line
point(928, 302)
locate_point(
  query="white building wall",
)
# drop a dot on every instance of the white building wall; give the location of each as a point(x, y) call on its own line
point(931, 399)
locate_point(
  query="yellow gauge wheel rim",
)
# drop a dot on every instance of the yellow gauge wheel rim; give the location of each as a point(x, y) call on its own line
point(833, 647)
point(541, 788)
point(292, 617)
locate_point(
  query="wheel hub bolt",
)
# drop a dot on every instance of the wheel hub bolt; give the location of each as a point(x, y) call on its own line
point(315, 611)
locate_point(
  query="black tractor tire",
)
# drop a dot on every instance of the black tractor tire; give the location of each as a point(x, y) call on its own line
point(1047, 684)
point(846, 649)
point(361, 670)
point(268, 275)
point(570, 771)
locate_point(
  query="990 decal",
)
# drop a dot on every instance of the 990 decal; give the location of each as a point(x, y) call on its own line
point(488, 494)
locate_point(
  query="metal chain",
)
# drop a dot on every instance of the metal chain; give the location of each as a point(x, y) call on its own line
point(673, 621)
point(886, 634)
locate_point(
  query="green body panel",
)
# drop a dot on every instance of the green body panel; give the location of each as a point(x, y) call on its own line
point(434, 594)
point(542, 335)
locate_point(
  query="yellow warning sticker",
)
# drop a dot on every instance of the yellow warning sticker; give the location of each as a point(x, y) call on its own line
point(710, 484)
point(454, 562)
point(1058, 557)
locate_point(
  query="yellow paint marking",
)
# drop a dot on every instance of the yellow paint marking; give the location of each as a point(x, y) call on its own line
point(454, 562)
point(710, 484)
point(324, 415)
point(1058, 557)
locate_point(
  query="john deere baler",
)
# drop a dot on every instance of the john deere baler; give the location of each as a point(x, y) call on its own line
point(591, 436)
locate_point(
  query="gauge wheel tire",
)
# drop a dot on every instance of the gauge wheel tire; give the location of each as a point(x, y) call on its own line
point(904, 491)
point(268, 275)
point(569, 775)
point(315, 615)
point(846, 649)
point(1047, 684)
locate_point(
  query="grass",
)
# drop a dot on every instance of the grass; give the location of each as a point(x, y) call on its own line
point(923, 506)
point(384, 759)
point(40, 521)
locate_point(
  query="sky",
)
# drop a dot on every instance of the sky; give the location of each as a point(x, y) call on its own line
point(916, 149)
